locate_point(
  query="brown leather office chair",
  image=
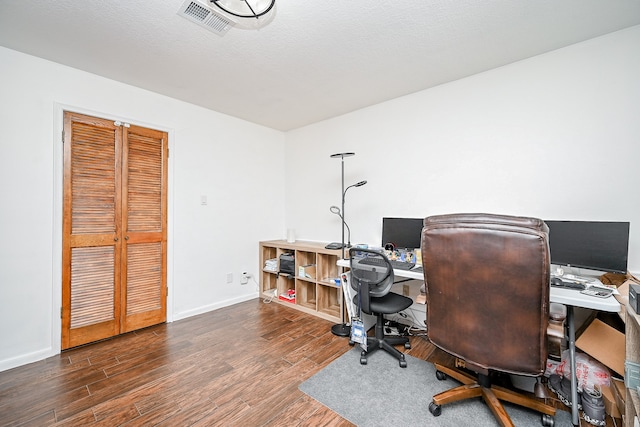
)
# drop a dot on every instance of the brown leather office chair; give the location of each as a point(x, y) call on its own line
point(487, 282)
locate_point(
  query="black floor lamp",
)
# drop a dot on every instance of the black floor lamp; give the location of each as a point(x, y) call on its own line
point(343, 329)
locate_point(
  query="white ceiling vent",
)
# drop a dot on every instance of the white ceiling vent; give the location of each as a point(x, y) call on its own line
point(203, 15)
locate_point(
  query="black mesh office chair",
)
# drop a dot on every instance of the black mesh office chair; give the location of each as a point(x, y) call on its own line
point(372, 279)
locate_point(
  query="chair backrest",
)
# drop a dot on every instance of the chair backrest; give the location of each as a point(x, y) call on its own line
point(373, 279)
point(487, 282)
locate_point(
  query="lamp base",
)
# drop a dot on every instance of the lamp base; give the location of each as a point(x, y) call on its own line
point(335, 245)
point(341, 330)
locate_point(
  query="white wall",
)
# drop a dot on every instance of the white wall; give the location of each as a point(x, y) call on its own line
point(228, 160)
point(556, 136)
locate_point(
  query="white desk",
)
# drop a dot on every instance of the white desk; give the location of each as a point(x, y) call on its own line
point(569, 297)
point(574, 298)
point(417, 275)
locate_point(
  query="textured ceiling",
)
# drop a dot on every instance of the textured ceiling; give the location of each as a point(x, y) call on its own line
point(316, 60)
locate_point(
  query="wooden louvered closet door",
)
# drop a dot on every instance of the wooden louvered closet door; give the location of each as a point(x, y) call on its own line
point(114, 229)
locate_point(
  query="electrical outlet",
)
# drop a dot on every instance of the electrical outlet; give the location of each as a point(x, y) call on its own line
point(245, 278)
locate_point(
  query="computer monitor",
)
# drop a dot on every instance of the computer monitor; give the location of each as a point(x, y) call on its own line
point(595, 245)
point(403, 233)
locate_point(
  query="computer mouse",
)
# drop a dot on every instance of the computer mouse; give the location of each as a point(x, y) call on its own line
point(556, 281)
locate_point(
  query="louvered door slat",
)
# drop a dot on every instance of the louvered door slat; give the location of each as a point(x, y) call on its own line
point(92, 285)
point(144, 277)
point(93, 179)
point(144, 201)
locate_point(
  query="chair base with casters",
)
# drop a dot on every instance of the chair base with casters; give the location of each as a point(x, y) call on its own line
point(492, 395)
point(382, 341)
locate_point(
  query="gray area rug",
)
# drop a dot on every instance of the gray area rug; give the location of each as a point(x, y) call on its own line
point(381, 393)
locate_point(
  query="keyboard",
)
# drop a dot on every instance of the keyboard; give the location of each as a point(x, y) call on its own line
point(568, 284)
point(397, 265)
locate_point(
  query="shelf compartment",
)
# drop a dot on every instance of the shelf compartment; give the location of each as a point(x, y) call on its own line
point(303, 259)
point(268, 278)
point(269, 281)
point(327, 267)
point(285, 283)
point(329, 300)
point(306, 293)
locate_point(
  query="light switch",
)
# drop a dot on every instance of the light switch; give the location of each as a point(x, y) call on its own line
point(203, 200)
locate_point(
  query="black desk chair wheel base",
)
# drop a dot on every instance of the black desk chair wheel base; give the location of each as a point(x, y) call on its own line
point(386, 343)
point(373, 295)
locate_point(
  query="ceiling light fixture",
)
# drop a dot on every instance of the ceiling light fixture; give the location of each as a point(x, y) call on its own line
point(247, 14)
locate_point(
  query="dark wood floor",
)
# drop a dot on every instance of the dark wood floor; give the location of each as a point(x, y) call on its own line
point(239, 365)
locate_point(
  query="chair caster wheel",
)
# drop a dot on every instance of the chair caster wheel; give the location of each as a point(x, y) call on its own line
point(441, 375)
point(547, 420)
point(435, 410)
point(403, 362)
point(352, 343)
point(363, 357)
point(407, 345)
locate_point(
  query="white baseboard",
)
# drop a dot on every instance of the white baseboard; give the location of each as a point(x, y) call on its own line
point(27, 358)
point(211, 307)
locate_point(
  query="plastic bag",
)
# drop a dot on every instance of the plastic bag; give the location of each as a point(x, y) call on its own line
point(358, 334)
point(589, 372)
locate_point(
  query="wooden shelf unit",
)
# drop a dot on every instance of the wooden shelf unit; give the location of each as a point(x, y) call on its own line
point(632, 354)
point(317, 295)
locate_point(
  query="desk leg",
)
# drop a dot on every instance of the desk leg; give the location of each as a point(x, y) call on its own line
point(572, 356)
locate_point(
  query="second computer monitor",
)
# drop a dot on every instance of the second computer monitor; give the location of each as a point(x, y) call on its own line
point(594, 245)
point(402, 233)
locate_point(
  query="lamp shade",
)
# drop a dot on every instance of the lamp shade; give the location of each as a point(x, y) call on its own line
point(341, 155)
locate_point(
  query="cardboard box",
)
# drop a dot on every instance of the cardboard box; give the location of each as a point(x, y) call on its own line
point(610, 405)
point(619, 393)
point(623, 291)
point(605, 344)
